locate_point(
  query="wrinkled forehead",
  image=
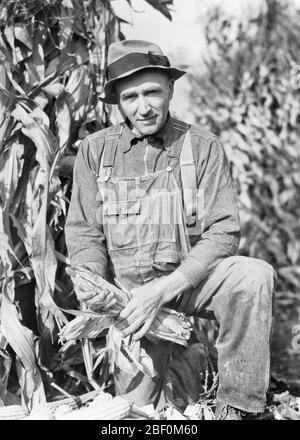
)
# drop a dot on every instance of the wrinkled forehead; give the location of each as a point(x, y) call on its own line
point(143, 79)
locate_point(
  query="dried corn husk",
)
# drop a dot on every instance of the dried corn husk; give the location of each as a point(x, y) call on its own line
point(86, 280)
point(103, 409)
point(13, 412)
point(123, 353)
point(95, 405)
point(168, 325)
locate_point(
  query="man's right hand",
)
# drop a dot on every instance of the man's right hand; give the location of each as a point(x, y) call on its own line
point(92, 298)
point(99, 301)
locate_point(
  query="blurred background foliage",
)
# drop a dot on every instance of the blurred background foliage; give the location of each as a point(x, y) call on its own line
point(249, 96)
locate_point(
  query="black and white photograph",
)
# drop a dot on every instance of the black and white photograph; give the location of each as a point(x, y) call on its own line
point(149, 213)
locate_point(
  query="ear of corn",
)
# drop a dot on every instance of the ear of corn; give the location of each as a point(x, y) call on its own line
point(95, 405)
point(114, 409)
point(85, 326)
point(123, 353)
point(168, 325)
point(84, 278)
point(13, 412)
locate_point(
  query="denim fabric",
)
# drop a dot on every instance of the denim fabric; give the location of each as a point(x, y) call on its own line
point(239, 294)
point(135, 157)
point(142, 217)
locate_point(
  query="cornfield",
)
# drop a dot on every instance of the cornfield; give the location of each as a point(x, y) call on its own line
point(52, 69)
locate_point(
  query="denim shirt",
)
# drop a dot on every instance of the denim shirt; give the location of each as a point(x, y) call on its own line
point(135, 157)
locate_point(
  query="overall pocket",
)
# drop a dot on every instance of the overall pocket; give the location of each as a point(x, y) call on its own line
point(120, 223)
point(150, 220)
point(158, 218)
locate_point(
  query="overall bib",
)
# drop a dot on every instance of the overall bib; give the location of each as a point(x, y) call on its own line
point(146, 237)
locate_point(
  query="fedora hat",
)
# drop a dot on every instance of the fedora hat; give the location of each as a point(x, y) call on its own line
point(130, 56)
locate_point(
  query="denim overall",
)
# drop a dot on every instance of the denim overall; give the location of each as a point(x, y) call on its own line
point(143, 220)
point(146, 234)
point(145, 224)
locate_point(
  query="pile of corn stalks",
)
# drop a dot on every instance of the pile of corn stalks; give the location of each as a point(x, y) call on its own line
point(53, 56)
point(169, 325)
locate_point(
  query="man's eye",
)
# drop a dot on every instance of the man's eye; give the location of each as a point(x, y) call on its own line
point(152, 92)
point(128, 98)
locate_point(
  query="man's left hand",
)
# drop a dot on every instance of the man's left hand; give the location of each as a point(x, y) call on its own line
point(141, 311)
point(147, 301)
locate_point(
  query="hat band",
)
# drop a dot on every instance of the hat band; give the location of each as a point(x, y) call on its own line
point(135, 61)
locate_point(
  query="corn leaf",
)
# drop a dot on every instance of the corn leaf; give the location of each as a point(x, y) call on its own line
point(19, 337)
point(162, 6)
point(78, 89)
point(21, 340)
point(66, 23)
point(21, 33)
point(63, 121)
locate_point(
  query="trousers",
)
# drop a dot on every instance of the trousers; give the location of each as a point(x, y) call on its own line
point(239, 294)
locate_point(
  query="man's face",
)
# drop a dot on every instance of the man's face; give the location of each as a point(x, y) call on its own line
point(144, 98)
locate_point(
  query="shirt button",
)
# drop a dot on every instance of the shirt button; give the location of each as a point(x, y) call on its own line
point(106, 178)
point(169, 168)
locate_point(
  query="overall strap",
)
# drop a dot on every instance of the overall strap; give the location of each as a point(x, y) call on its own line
point(182, 149)
point(188, 179)
point(109, 152)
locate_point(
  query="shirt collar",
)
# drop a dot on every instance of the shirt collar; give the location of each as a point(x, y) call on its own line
point(163, 134)
point(128, 137)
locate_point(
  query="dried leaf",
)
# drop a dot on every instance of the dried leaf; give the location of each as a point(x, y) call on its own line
point(9, 33)
point(63, 121)
point(100, 357)
point(35, 65)
point(66, 21)
point(5, 364)
point(21, 33)
point(37, 133)
point(20, 338)
point(78, 89)
point(162, 6)
point(288, 413)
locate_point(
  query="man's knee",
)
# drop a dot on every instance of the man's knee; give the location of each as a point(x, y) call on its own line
point(253, 272)
point(248, 284)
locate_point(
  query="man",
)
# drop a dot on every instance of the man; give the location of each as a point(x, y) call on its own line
point(132, 217)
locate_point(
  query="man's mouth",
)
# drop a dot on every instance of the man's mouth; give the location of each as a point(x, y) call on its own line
point(147, 120)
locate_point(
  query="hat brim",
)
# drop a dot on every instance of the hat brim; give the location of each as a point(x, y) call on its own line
point(108, 96)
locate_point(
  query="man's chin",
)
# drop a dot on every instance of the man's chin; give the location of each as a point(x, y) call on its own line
point(148, 130)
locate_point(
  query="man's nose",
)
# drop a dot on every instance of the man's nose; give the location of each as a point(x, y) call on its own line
point(144, 106)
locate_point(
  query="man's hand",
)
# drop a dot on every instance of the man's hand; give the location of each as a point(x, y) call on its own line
point(103, 301)
point(141, 310)
point(92, 298)
point(147, 301)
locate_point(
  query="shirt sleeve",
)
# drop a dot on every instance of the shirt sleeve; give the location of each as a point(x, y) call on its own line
point(85, 239)
point(220, 233)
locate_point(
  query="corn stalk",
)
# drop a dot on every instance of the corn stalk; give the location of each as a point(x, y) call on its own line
point(53, 57)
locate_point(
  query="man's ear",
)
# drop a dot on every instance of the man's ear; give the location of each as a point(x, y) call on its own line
point(171, 88)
